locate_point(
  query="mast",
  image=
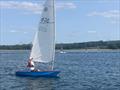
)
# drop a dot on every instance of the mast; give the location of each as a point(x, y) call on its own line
point(53, 61)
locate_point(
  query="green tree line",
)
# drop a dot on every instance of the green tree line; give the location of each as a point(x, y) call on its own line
point(84, 45)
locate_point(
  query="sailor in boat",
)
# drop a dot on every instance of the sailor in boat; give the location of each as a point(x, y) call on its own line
point(31, 65)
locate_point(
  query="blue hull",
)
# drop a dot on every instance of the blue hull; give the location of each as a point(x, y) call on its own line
point(38, 74)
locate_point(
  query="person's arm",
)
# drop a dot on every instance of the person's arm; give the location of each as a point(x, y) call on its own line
point(28, 64)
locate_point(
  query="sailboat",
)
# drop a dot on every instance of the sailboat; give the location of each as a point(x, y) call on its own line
point(62, 51)
point(43, 47)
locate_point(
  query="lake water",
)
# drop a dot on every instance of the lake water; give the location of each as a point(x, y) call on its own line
point(80, 70)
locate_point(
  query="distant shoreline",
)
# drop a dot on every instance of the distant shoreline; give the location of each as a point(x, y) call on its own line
point(92, 45)
point(73, 50)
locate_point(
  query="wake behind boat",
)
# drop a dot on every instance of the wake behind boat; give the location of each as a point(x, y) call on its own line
point(43, 49)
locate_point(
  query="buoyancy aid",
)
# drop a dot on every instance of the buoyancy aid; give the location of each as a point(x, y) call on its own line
point(30, 64)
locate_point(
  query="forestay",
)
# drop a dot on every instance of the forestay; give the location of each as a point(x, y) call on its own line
point(43, 49)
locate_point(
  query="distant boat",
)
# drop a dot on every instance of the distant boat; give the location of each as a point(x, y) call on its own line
point(43, 49)
point(61, 50)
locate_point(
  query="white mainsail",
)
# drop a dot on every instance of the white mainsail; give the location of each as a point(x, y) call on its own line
point(43, 49)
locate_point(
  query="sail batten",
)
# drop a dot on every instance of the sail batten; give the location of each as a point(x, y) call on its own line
point(43, 49)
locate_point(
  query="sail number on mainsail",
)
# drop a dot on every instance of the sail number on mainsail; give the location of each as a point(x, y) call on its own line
point(44, 20)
